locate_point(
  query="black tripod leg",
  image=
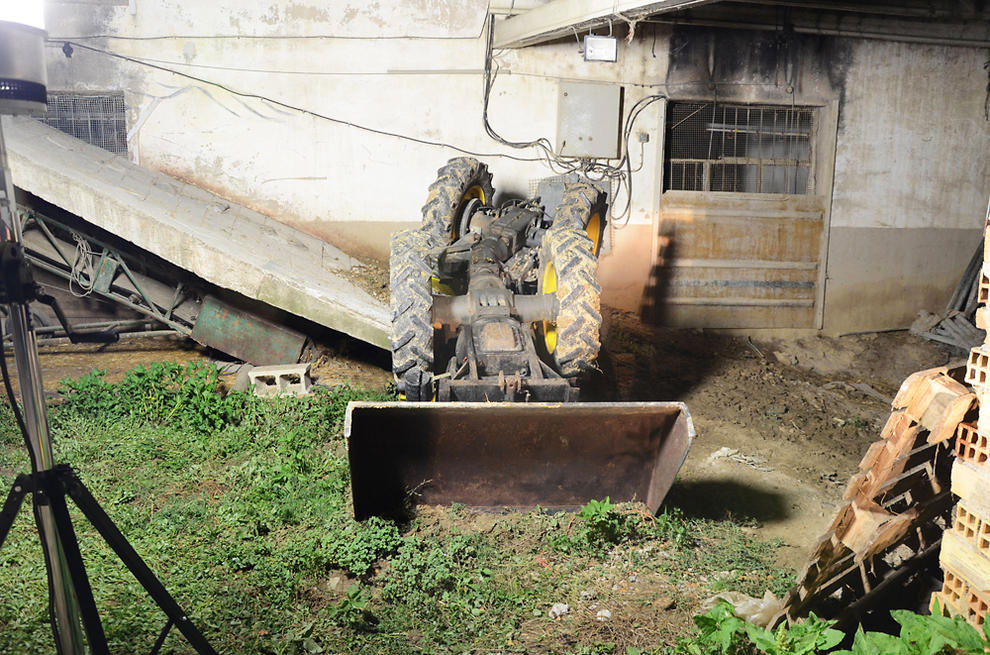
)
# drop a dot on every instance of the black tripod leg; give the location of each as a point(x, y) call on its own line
point(92, 510)
point(13, 504)
point(95, 636)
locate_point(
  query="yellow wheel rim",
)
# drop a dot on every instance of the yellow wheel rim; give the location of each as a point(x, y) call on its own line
point(550, 327)
point(594, 230)
point(473, 192)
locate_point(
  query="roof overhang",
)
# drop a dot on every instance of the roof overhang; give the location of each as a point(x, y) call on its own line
point(559, 18)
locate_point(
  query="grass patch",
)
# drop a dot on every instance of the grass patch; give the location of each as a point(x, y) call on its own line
point(242, 507)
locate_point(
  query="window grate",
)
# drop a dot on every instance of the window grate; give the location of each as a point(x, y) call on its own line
point(96, 119)
point(739, 148)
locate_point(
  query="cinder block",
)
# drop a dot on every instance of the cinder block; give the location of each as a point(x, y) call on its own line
point(955, 591)
point(982, 316)
point(292, 379)
point(966, 523)
point(947, 607)
point(978, 367)
point(971, 445)
point(984, 289)
point(978, 604)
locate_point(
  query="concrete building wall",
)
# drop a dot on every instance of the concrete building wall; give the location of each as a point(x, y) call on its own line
point(253, 102)
point(912, 177)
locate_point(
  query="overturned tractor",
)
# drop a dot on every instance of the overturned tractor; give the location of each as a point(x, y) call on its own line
point(493, 304)
point(499, 309)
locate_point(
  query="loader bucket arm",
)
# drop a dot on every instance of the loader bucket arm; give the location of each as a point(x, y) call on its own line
point(496, 455)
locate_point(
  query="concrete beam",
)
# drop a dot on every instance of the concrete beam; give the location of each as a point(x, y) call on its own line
point(560, 18)
point(224, 243)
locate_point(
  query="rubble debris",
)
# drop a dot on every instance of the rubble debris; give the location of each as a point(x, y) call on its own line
point(751, 461)
point(758, 611)
point(291, 379)
point(558, 610)
point(958, 325)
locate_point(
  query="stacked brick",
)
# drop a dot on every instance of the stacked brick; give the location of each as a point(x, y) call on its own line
point(965, 554)
point(893, 509)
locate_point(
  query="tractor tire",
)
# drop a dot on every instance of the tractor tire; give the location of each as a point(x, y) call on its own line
point(569, 268)
point(460, 180)
point(410, 286)
point(583, 207)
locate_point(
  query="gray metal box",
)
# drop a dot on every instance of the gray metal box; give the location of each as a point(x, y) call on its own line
point(588, 119)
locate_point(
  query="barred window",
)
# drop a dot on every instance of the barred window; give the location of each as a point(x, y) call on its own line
point(739, 148)
point(97, 119)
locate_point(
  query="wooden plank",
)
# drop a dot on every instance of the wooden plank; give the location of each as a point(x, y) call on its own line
point(953, 414)
point(716, 201)
point(729, 316)
point(739, 301)
point(898, 527)
point(740, 263)
point(862, 530)
point(912, 385)
point(739, 260)
point(751, 238)
point(747, 283)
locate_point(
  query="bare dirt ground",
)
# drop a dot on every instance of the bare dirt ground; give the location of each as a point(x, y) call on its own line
point(781, 424)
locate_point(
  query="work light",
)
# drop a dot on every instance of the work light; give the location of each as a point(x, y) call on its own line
point(22, 57)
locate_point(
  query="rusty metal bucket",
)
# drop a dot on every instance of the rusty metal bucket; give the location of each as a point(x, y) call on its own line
point(498, 455)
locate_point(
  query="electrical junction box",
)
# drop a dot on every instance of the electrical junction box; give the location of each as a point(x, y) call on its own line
point(588, 119)
point(600, 48)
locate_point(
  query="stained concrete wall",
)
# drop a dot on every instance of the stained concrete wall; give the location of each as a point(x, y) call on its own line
point(908, 156)
point(912, 177)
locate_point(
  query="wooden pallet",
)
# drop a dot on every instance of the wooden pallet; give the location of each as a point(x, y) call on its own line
point(895, 508)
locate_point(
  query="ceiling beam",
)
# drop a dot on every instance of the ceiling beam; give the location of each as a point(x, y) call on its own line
point(962, 33)
point(560, 18)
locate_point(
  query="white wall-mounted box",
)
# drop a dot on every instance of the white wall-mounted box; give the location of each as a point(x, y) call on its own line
point(588, 119)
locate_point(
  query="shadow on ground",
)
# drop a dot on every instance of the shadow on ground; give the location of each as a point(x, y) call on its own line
point(723, 498)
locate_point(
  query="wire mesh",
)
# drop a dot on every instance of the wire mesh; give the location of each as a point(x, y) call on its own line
point(96, 119)
point(739, 148)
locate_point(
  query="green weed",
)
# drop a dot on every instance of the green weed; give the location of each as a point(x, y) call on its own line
point(721, 632)
point(241, 506)
point(352, 610)
point(601, 524)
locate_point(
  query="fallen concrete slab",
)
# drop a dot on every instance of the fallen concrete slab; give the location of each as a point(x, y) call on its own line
point(224, 243)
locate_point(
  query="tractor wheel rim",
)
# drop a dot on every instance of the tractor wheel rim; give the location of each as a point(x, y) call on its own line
point(475, 191)
point(594, 231)
point(549, 286)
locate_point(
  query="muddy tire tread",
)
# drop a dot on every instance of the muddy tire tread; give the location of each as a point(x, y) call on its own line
point(447, 191)
point(579, 317)
point(579, 202)
point(411, 301)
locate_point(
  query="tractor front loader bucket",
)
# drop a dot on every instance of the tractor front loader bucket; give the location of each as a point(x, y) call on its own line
point(496, 455)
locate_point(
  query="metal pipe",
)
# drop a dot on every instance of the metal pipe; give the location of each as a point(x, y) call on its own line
point(64, 341)
point(457, 310)
point(53, 329)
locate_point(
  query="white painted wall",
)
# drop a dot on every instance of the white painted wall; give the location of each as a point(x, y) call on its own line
point(913, 138)
point(910, 153)
point(303, 168)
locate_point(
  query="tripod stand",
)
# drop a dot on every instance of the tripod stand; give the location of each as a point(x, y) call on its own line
point(71, 596)
point(51, 487)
